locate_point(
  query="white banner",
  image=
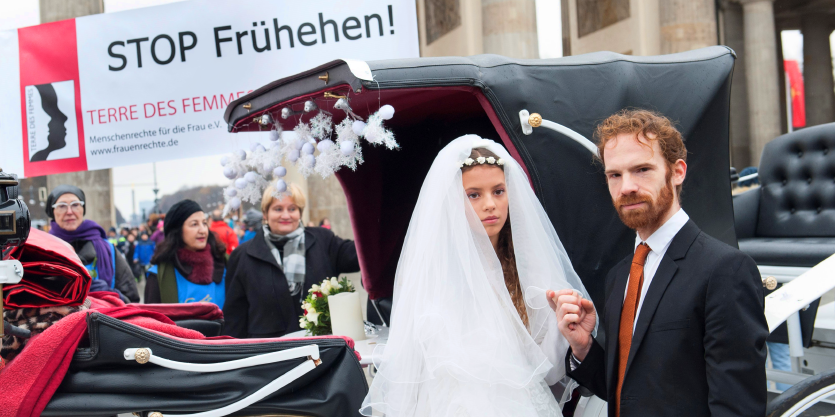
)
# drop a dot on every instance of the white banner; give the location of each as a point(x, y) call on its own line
point(152, 84)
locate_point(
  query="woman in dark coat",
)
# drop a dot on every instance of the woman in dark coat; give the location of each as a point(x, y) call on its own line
point(270, 275)
point(190, 263)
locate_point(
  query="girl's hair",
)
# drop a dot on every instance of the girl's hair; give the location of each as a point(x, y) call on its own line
point(504, 249)
point(166, 250)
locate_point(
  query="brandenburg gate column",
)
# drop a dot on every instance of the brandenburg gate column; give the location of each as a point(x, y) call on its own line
point(817, 69)
point(509, 28)
point(761, 68)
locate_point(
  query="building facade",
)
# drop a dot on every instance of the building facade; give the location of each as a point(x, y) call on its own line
point(650, 27)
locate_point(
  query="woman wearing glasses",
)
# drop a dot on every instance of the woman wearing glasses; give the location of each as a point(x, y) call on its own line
point(108, 267)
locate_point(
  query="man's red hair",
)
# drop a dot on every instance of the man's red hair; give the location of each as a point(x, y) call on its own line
point(653, 126)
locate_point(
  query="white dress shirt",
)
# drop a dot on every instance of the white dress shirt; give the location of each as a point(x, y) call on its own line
point(658, 243)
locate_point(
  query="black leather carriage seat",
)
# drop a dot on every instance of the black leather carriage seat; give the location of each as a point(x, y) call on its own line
point(209, 328)
point(790, 219)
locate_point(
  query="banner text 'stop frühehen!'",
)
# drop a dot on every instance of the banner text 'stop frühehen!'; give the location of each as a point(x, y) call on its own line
point(151, 84)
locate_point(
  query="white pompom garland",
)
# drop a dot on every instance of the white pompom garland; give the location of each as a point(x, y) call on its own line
point(250, 173)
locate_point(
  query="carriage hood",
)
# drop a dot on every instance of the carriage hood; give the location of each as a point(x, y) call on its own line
point(439, 99)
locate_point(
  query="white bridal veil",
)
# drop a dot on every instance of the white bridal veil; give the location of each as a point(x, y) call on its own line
point(457, 346)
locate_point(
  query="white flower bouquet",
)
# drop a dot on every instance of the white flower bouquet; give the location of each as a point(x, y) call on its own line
point(317, 319)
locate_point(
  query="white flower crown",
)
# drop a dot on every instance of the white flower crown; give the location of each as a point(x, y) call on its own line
point(481, 160)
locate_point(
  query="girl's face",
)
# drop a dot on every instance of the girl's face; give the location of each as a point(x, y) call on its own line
point(486, 189)
point(283, 215)
point(196, 231)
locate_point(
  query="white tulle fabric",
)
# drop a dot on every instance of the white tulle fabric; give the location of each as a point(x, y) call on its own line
point(457, 346)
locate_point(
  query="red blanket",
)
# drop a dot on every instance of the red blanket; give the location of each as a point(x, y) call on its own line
point(28, 382)
point(53, 274)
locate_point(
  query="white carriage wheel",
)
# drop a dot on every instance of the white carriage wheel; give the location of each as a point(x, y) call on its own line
point(805, 402)
point(803, 395)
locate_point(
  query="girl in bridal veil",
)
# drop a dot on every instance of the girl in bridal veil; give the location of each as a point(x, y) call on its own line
point(472, 333)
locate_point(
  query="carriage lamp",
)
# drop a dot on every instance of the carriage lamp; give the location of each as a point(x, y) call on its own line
point(14, 230)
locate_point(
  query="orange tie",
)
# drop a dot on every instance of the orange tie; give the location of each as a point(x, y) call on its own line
point(627, 315)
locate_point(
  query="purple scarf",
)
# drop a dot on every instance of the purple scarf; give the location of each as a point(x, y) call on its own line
point(90, 230)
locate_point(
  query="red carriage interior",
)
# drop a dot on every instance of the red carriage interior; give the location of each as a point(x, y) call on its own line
point(382, 192)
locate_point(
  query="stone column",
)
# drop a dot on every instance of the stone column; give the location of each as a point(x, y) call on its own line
point(509, 28)
point(687, 25)
point(98, 190)
point(97, 185)
point(817, 69)
point(739, 125)
point(55, 10)
point(327, 199)
point(566, 28)
point(761, 71)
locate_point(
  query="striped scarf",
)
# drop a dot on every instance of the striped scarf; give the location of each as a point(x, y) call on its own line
point(292, 262)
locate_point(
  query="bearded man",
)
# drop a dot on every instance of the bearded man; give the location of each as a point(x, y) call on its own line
point(684, 326)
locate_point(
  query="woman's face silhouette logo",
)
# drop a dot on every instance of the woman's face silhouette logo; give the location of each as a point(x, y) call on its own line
point(52, 128)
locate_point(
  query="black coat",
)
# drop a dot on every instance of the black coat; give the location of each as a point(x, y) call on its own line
point(699, 343)
point(258, 301)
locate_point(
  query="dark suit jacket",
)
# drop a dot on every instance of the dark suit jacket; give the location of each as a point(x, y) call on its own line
point(699, 344)
point(258, 300)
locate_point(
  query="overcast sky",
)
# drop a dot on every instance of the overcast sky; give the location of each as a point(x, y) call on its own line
point(174, 175)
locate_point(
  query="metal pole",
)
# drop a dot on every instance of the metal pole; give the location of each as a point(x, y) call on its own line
point(795, 340)
point(133, 204)
point(156, 190)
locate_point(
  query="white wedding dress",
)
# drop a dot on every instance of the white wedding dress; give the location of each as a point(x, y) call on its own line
point(457, 346)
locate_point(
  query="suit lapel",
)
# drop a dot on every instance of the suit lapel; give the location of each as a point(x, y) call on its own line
point(614, 306)
point(663, 275)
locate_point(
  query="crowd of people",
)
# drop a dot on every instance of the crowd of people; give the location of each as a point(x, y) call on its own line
point(257, 269)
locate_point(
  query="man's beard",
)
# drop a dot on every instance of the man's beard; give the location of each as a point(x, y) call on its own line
point(647, 216)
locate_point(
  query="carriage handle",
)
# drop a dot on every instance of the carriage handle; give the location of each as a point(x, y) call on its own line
point(532, 120)
point(311, 352)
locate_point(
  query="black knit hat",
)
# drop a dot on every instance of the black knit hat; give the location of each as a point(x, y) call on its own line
point(178, 214)
point(60, 190)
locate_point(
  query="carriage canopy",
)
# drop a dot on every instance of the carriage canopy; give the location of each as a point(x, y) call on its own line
point(439, 99)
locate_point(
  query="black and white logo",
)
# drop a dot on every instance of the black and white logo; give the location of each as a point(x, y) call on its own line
point(51, 121)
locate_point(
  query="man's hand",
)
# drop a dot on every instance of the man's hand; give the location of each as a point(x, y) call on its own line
point(576, 318)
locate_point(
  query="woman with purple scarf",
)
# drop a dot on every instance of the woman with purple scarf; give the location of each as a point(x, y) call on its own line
point(108, 267)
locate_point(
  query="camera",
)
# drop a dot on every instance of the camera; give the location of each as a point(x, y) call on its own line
point(14, 229)
point(14, 215)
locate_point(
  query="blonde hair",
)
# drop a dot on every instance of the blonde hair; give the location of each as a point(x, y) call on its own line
point(292, 189)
